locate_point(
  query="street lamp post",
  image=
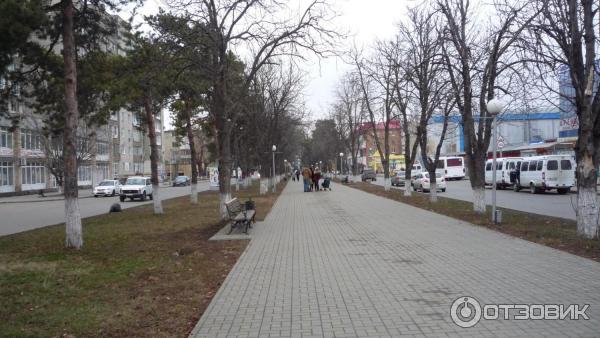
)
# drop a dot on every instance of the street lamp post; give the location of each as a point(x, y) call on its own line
point(341, 165)
point(274, 148)
point(494, 107)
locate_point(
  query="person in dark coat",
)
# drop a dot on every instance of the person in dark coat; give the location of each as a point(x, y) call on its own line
point(316, 178)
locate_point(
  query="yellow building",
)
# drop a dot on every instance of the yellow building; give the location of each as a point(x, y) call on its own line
point(396, 162)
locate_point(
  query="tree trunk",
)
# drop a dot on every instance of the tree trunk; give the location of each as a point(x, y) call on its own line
point(194, 158)
point(387, 184)
point(94, 160)
point(74, 235)
point(587, 197)
point(407, 189)
point(432, 186)
point(153, 156)
point(477, 179)
point(224, 156)
point(407, 186)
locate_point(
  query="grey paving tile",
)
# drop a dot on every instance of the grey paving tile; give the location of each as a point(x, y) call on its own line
point(348, 264)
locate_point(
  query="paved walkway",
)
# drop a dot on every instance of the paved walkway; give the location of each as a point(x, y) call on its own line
point(350, 264)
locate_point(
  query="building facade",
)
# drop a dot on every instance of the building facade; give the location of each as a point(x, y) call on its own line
point(118, 149)
point(368, 155)
point(519, 134)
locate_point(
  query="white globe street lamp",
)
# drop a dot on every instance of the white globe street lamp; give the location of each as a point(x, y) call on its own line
point(494, 107)
point(341, 164)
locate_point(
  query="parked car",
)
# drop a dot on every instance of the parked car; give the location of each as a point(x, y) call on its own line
point(505, 169)
point(136, 187)
point(420, 181)
point(107, 188)
point(542, 173)
point(399, 179)
point(181, 181)
point(368, 175)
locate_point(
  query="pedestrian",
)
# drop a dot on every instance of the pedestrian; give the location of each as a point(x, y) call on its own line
point(298, 174)
point(306, 176)
point(316, 178)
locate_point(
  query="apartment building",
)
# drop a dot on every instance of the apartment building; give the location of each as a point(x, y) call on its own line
point(121, 148)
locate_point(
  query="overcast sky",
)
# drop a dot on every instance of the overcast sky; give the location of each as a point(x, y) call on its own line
point(367, 20)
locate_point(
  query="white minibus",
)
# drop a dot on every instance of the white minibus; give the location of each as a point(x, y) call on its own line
point(504, 167)
point(541, 173)
point(451, 167)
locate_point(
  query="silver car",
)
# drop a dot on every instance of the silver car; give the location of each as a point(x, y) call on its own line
point(399, 179)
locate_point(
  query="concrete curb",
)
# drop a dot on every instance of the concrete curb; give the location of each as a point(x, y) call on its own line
point(41, 199)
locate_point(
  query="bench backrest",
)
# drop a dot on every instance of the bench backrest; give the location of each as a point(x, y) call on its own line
point(234, 207)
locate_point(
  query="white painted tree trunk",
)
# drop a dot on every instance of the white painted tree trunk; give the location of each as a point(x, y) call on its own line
point(263, 186)
point(158, 210)
point(587, 212)
point(407, 189)
point(387, 183)
point(223, 198)
point(194, 193)
point(237, 184)
point(479, 200)
point(74, 237)
point(433, 192)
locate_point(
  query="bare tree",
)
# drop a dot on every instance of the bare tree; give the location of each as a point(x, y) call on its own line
point(476, 61)
point(277, 110)
point(347, 112)
point(376, 82)
point(425, 73)
point(564, 37)
point(269, 32)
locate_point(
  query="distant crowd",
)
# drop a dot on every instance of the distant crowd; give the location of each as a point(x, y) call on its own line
point(311, 178)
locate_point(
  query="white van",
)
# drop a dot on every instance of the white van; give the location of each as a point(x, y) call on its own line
point(451, 167)
point(541, 173)
point(504, 167)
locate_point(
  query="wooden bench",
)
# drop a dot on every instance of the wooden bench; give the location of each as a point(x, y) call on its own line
point(239, 216)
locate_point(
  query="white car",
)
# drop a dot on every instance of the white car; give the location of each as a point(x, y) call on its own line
point(107, 188)
point(420, 181)
point(136, 187)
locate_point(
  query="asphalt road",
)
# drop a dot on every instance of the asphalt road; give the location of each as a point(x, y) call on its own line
point(18, 217)
point(549, 203)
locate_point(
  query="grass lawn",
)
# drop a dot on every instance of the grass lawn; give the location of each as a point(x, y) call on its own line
point(138, 275)
point(555, 232)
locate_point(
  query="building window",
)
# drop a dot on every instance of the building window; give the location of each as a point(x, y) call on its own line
point(30, 140)
point(33, 173)
point(115, 169)
point(6, 173)
point(84, 173)
point(101, 148)
point(5, 138)
point(102, 171)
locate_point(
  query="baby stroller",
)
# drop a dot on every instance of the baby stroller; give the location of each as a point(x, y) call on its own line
point(325, 184)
